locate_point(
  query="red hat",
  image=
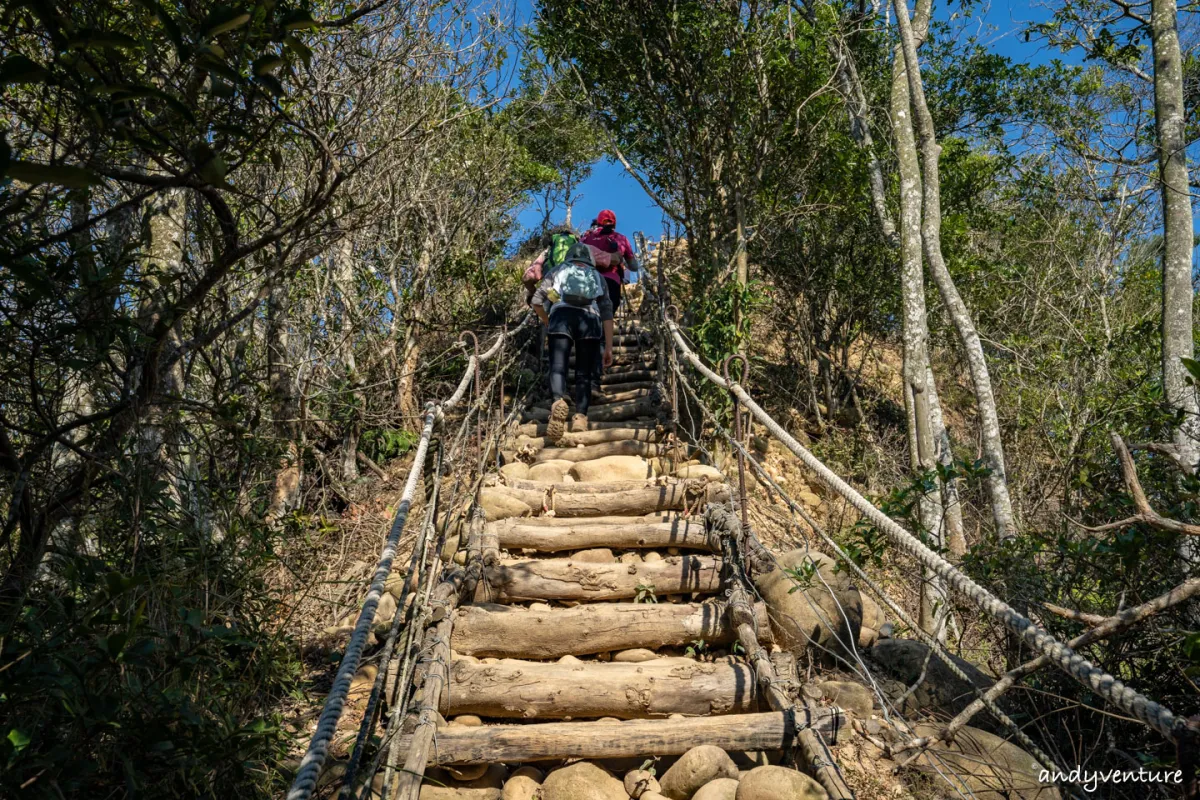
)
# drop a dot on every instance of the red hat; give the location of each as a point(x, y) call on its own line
point(606, 217)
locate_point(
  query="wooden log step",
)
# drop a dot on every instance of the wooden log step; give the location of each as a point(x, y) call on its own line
point(625, 376)
point(513, 631)
point(615, 388)
point(605, 398)
point(618, 350)
point(608, 519)
point(625, 447)
point(631, 354)
point(608, 397)
point(594, 437)
point(653, 689)
point(518, 485)
point(614, 412)
point(582, 534)
point(591, 500)
point(555, 741)
point(539, 428)
point(564, 579)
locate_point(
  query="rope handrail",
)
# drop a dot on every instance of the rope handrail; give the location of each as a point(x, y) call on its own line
point(309, 771)
point(937, 647)
point(1138, 705)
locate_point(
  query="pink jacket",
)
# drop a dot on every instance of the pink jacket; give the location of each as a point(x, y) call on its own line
point(615, 244)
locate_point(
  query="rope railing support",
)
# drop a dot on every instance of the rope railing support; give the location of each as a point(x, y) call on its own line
point(1110, 688)
point(478, 388)
point(309, 771)
point(737, 432)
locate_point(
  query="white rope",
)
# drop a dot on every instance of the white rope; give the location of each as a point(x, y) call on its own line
point(335, 702)
point(1141, 707)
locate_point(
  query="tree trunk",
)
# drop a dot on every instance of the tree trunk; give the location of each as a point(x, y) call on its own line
point(406, 388)
point(343, 278)
point(282, 382)
point(1177, 229)
point(920, 391)
point(743, 272)
point(164, 263)
point(960, 316)
point(860, 130)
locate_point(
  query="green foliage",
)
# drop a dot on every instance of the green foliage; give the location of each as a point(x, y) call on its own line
point(186, 84)
point(803, 576)
point(645, 593)
point(385, 444)
point(723, 318)
point(149, 678)
point(559, 142)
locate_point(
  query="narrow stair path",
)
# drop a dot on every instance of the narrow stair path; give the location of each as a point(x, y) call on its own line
point(602, 625)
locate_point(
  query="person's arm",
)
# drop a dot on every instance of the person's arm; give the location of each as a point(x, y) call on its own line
point(539, 301)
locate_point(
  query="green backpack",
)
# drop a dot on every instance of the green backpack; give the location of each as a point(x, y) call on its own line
point(560, 245)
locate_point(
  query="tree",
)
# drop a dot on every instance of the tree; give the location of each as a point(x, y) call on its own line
point(993, 448)
point(1111, 33)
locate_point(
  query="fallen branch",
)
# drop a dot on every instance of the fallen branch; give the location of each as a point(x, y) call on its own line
point(1075, 616)
point(367, 462)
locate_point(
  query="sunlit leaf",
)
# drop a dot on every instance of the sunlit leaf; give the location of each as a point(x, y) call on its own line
point(267, 64)
point(1193, 368)
point(19, 739)
point(298, 20)
point(271, 84)
point(299, 48)
point(223, 20)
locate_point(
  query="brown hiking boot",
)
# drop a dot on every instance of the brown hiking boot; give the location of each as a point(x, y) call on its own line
point(579, 423)
point(557, 425)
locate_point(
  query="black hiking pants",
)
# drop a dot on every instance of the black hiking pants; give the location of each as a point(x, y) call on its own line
point(587, 365)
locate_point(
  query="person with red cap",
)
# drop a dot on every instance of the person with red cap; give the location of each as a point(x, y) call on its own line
point(611, 252)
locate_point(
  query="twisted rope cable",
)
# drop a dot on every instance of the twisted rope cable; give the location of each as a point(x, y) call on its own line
point(1131, 701)
point(335, 702)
